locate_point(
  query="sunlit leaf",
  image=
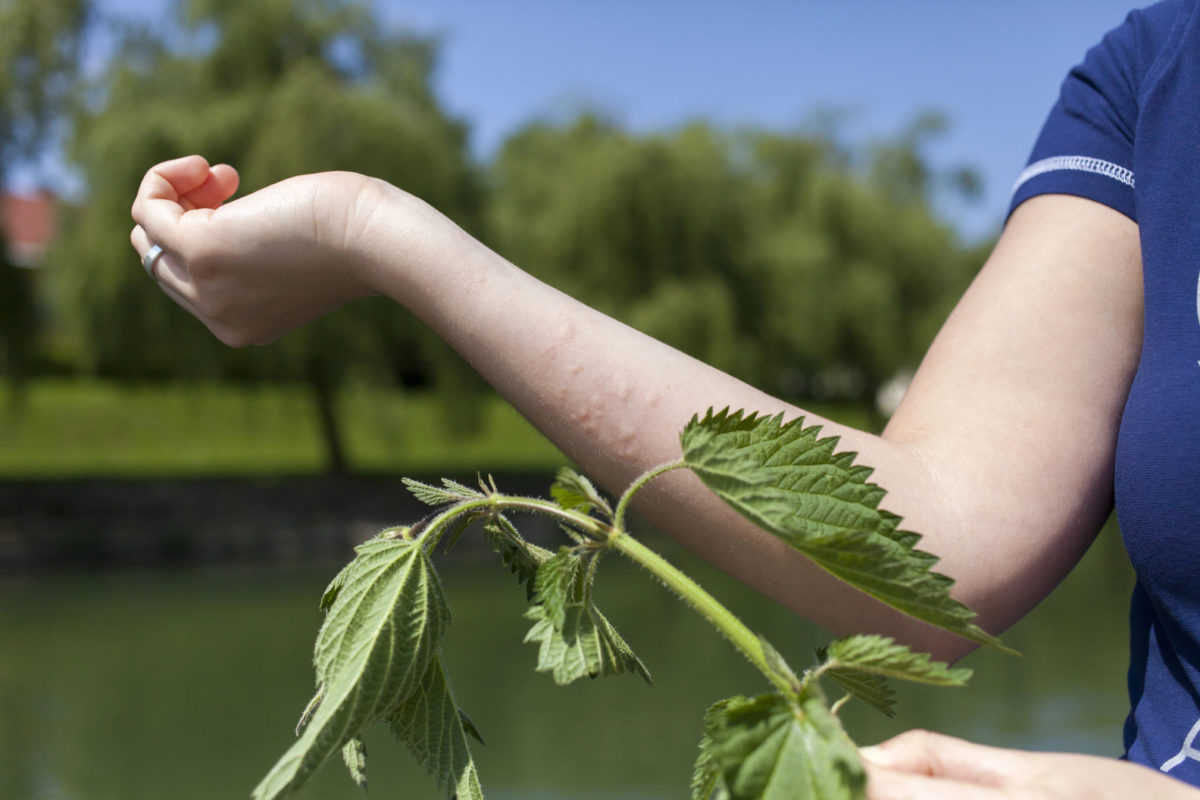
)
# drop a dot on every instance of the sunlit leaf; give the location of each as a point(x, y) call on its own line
point(380, 635)
point(574, 638)
point(767, 748)
point(449, 492)
point(792, 483)
point(522, 557)
point(707, 783)
point(557, 585)
point(583, 647)
point(880, 655)
point(469, 728)
point(874, 690)
point(355, 756)
point(574, 491)
point(430, 723)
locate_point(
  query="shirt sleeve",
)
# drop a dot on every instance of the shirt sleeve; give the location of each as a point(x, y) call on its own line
point(1086, 146)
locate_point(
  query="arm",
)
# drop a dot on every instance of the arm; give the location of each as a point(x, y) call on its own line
point(1001, 454)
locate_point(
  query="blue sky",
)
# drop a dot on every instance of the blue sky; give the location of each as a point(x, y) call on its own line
point(993, 68)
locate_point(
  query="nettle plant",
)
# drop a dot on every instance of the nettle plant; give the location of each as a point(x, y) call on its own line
point(378, 653)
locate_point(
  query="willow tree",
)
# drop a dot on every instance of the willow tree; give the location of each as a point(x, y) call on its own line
point(651, 229)
point(856, 269)
point(39, 63)
point(791, 259)
point(276, 88)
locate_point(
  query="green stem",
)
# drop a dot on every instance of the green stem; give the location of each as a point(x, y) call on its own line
point(642, 480)
point(704, 603)
point(614, 537)
point(496, 503)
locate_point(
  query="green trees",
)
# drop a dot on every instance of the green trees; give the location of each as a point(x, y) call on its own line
point(653, 230)
point(39, 62)
point(863, 258)
point(276, 88)
point(811, 269)
point(779, 257)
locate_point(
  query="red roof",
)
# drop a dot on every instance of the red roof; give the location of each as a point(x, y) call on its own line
point(29, 223)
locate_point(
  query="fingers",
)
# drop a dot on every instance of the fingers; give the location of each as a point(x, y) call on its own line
point(887, 784)
point(167, 192)
point(170, 275)
point(219, 186)
point(932, 754)
point(173, 188)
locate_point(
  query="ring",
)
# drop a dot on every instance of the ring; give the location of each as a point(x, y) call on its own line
point(151, 257)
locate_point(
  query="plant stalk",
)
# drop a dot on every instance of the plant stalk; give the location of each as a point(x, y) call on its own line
point(707, 606)
point(642, 480)
point(704, 604)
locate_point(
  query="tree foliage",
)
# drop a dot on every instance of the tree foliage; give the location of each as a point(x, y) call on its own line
point(781, 257)
point(39, 62)
point(807, 267)
point(276, 88)
point(651, 229)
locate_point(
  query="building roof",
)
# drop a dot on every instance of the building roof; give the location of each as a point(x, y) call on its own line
point(28, 222)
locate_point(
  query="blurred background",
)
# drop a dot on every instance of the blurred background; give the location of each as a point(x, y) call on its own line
point(794, 194)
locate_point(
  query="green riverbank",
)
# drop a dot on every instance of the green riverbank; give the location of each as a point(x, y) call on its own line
point(90, 428)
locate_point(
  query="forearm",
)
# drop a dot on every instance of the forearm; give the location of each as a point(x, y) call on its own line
point(615, 400)
point(1000, 455)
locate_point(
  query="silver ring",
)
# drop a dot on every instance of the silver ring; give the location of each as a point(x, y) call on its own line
point(149, 260)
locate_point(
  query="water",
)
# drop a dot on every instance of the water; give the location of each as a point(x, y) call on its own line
point(186, 683)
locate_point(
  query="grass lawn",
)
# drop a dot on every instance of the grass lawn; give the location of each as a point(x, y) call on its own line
point(88, 428)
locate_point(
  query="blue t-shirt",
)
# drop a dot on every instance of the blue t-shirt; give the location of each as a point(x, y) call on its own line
point(1126, 132)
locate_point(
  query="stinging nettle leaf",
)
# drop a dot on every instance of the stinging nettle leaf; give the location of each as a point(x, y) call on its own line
point(451, 536)
point(574, 491)
point(449, 492)
point(767, 748)
point(355, 756)
point(522, 557)
point(880, 655)
point(789, 481)
point(431, 725)
point(586, 645)
point(335, 585)
point(380, 634)
point(469, 728)
point(306, 715)
point(557, 584)
point(874, 690)
point(574, 638)
point(706, 775)
point(707, 782)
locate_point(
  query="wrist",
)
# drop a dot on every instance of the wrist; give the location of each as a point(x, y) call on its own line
point(391, 237)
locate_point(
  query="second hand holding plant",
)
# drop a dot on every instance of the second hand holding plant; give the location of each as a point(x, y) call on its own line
point(377, 656)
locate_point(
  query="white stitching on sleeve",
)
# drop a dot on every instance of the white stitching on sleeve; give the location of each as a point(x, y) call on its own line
point(1097, 166)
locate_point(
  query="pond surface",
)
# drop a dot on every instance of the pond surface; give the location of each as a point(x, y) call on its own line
point(186, 683)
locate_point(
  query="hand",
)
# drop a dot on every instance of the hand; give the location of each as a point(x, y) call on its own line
point(919, 765)
point(256, 268)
